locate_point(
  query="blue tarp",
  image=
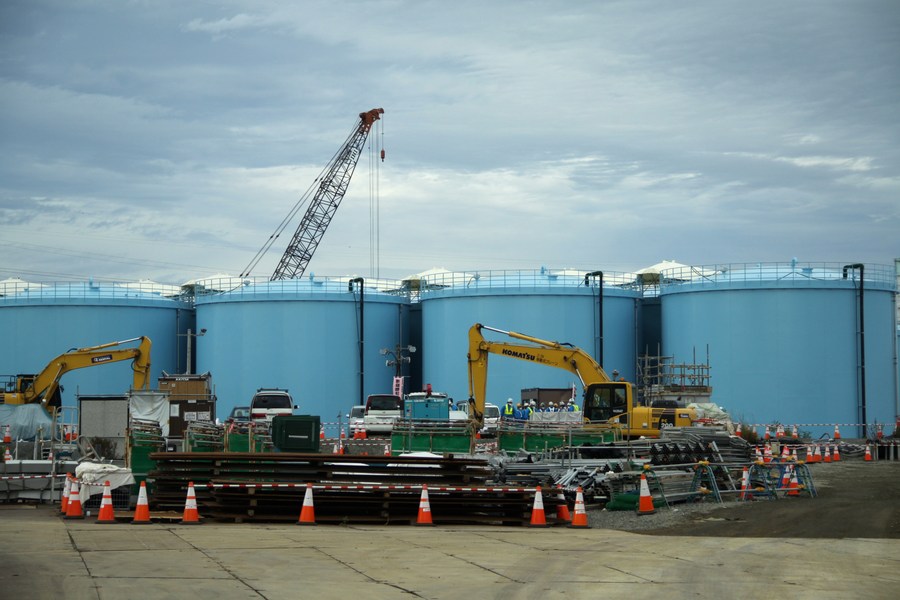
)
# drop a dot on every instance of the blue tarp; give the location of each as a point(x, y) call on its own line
point(24, 420)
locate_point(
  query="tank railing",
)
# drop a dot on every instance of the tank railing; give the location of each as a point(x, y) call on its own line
point(18, 291)
point(882, 276)
point(90, 290)
point(521, 279)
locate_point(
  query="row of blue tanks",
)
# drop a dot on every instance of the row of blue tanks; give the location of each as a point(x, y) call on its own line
point(813, 344)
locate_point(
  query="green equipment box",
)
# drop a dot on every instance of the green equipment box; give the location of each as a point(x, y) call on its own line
point(299, 433)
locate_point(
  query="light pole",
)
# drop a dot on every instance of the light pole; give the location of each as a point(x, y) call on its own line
point(190, 357)
point(397, 359)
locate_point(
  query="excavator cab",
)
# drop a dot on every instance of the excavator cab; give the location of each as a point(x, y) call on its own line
point(605, 401)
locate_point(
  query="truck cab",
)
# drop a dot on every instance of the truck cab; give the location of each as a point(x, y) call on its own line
point(382, 411)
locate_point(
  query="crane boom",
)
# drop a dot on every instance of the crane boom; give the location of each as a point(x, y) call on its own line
point(324, 204)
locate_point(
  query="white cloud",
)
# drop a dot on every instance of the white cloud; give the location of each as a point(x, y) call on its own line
point(837, 163)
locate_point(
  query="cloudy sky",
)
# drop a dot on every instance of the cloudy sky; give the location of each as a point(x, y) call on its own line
point(168, 139)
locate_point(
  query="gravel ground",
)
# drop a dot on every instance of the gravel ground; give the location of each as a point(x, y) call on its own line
point(856, 499)
point(680, 514)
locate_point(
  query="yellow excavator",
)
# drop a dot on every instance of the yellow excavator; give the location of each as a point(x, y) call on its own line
point(44, 387)
point(606, 402)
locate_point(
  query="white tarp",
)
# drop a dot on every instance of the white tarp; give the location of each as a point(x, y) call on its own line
point(92, 477)
point(150, 406)
point(709, 410)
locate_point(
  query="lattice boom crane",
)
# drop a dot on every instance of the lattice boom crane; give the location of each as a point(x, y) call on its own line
point(324, 204)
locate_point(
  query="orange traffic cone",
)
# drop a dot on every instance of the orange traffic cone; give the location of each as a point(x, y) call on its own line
point(767, 435)
point(322, 432)
point(794, 485)
point(579, 521)
point(73, 508)
point(191, 516)
point(142, 510)
point(737, 430)
point(745, 485)
point(7, 457)
point(767, 454)
point(868, 453)
point(795, 433)
point(827, 457)
point(817, 455)
point(538, 517)
point(837, 433)
point(387, 449)
point(64, 499)
point(106, 514)
point(836, 455)
point(308, 511)
point(759, 456)
point(7, 438)
point(785, 478)
point(785, 452)
point(424, 517)
point(562, 507)
point(645, 502)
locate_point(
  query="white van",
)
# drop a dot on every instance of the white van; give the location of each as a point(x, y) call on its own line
point(491, 420)
point(268, 403)
point(382, 411)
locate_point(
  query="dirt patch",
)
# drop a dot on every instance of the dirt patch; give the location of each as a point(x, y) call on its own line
point(855, 499)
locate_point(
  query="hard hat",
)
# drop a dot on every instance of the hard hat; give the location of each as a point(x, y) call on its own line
point(509, 400)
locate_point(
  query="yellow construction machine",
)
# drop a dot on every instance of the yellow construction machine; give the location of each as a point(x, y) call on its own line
point(606, 402)
point(44, 387)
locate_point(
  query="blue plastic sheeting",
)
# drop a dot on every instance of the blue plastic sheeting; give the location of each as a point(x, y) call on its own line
point(24, 421)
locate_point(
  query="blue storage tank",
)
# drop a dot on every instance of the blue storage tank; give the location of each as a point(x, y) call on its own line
point(551, 305)
point(42, 321)
point(301, 335)
point(785, 340)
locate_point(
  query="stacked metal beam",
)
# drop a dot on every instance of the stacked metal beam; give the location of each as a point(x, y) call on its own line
point(351, 489)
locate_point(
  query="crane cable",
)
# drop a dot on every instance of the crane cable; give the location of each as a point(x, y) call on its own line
point(300, 204)
point(375, 201)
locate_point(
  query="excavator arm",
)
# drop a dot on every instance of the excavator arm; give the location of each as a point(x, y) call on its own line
point(45, 385)
point(606, 402)
point(542, 352)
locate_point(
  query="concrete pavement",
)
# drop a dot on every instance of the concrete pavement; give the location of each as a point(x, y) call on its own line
point(47, 557)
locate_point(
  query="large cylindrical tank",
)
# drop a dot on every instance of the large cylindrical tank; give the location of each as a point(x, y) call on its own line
point(303, 336)
point(42, 321)
point(785, 341)
point(556, 306)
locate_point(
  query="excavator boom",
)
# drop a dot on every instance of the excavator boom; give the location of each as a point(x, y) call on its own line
point(44, 386)
point(605, 401)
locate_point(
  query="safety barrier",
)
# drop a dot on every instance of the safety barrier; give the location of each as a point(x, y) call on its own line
point(16, 477)
point(371, 487)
